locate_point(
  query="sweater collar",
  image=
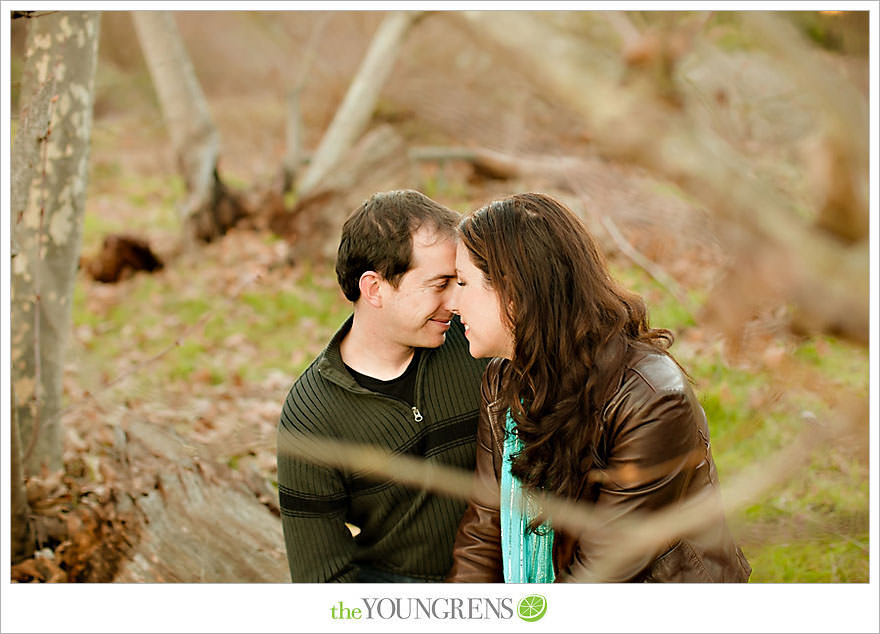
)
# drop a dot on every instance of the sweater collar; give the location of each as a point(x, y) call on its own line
point(330, 364)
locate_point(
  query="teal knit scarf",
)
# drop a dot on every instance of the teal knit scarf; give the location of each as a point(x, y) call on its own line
point(527, 556)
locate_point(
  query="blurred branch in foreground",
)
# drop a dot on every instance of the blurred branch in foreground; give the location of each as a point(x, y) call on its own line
point(636, 534)
point(780, 256)
point(563, 171)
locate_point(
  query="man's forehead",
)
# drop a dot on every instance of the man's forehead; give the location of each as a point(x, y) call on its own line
point(427, 236)
point(433, 256)
point(433, 268)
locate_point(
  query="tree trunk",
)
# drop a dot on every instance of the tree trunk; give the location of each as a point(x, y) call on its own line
point(210, 209)
point(354, 113)
point(50, 169)
point(293, 153)
point(22, 536)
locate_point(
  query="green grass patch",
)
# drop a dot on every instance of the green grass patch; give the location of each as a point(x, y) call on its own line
point(292, 326)
point(845, 363)
point(664, 309)
point(825, 560)
point(671, 190)
point(749, 422)
point(725, 29)
point(185, 360)
point(269, 328)
point(151, 205)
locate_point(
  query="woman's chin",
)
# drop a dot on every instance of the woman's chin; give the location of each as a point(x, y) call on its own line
point(478, 353)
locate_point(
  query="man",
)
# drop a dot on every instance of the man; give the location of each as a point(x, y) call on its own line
point(397, 375)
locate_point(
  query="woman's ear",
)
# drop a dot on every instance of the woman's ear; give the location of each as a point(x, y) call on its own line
point(370, 286)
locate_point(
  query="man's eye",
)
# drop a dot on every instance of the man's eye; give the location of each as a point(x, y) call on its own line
point(459, 282)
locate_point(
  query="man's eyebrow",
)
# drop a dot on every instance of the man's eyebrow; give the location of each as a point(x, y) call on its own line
point(437, 278)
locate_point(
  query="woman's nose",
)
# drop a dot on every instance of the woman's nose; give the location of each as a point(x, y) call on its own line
point(451, 303)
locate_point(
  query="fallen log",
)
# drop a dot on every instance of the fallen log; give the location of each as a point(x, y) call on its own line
point(143, 504)
point(491, 164)
point(200, 523)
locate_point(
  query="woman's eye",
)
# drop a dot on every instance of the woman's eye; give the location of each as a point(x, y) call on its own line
point(459, 282)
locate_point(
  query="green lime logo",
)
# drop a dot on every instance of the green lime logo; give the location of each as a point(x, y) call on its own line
point(532, 607)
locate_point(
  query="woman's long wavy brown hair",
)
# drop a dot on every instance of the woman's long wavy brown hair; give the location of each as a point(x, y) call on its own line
point(572, 324)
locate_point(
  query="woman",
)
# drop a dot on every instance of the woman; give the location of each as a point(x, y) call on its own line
point(583, 402)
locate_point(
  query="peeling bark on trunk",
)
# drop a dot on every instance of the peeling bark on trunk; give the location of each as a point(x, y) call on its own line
point(50, 169)
point(210, 208)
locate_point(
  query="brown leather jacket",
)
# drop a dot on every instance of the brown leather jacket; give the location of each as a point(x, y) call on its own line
point(653, 429)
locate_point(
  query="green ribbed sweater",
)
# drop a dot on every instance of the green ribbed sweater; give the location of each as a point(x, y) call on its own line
point(403, 530)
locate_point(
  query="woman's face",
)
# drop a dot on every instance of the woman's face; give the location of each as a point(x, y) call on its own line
point(477, 303)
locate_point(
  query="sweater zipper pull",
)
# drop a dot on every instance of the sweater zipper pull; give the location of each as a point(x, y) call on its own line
point(417, 415)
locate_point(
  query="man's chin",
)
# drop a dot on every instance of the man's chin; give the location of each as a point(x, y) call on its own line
point(434, 341)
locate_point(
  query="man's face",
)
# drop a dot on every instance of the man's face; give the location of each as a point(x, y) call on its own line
point(415, 311)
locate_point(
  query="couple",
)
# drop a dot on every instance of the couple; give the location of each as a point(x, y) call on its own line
point(496, 342)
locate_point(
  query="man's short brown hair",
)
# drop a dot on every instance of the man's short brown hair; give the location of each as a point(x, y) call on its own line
point(377, 236)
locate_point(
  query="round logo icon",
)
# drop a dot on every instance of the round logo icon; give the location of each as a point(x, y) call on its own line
point(532, 607)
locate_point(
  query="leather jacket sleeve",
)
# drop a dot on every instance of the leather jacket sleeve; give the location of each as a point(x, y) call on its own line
point(653, 451)
point(477, 550)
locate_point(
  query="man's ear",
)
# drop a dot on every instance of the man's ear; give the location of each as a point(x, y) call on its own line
point(370, 285)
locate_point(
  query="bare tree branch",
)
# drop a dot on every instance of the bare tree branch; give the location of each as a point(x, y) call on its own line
point(294, 152)
point(354, 112)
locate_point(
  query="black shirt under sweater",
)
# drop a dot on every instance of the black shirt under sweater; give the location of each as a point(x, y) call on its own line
point(402, 387)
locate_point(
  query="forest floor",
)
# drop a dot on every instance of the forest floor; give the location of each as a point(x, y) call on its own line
point(209, 345)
